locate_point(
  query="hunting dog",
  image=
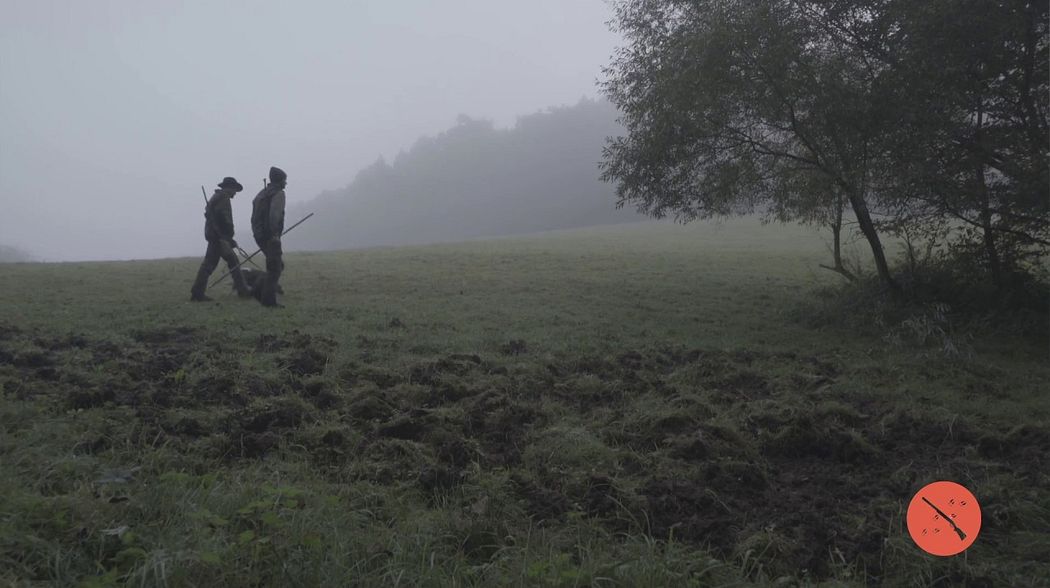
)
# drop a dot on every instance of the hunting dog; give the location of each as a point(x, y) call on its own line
point(255, 278)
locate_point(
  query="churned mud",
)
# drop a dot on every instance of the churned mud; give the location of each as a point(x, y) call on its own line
point(729, 450)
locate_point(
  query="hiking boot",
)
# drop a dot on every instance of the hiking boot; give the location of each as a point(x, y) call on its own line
point(266, 294)
point(200, 285)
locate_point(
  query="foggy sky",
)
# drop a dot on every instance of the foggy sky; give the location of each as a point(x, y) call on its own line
point(113, 113)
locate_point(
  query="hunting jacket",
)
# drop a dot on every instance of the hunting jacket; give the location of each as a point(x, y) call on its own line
point(268, 213)
point(218, 217)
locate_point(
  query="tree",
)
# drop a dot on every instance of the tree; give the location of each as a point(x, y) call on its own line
point(923, 117)
point(733, 104)
point(929, 119)
point(974, 95)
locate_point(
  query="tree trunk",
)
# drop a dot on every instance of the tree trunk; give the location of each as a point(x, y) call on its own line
point(867, 227)
point(836, 228)
point(994, 265)
point(986, 208)
point(1034, 125)
point(836, 231)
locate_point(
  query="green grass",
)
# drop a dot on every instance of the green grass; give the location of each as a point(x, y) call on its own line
point(645, 405)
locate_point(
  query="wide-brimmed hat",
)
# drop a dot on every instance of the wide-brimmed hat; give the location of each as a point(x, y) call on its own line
point(231, 183)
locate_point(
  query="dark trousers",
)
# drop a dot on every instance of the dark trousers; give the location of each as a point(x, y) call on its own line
point(274, 266)
point(218, 249)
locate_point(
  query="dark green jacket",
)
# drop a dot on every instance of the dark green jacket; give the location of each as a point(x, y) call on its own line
point(218, 217)
point(268, 213)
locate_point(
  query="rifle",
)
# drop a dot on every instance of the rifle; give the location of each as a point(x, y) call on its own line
point(257, 251)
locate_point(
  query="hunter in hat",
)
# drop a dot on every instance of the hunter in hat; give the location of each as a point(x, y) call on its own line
point(218, 231)
point(267, 227)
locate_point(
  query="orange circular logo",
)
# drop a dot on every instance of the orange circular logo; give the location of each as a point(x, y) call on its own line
point(944, 518)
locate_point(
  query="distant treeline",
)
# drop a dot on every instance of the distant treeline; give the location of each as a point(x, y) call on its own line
point(476, 181)
point(10, 254)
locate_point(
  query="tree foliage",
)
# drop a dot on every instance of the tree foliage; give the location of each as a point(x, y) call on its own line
point(922, 117)
point(973, 149)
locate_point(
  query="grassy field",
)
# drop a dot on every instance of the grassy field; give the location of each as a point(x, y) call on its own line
point(649, 405)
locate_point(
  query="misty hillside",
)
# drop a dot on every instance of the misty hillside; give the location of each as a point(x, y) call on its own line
point(474, 181)
point(10, 254)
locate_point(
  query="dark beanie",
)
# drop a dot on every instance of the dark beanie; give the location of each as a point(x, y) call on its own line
point(277, 175)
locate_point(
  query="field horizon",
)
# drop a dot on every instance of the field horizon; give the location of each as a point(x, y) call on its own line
point(643, 404)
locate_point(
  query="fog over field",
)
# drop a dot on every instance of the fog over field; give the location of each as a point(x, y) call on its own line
point(490, 358)
point(114, 113)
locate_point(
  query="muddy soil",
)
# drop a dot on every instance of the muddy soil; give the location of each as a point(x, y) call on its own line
point(726, 450)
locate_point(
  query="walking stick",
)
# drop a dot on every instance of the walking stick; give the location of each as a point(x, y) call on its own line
point(246, 258)
point(286, 231)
